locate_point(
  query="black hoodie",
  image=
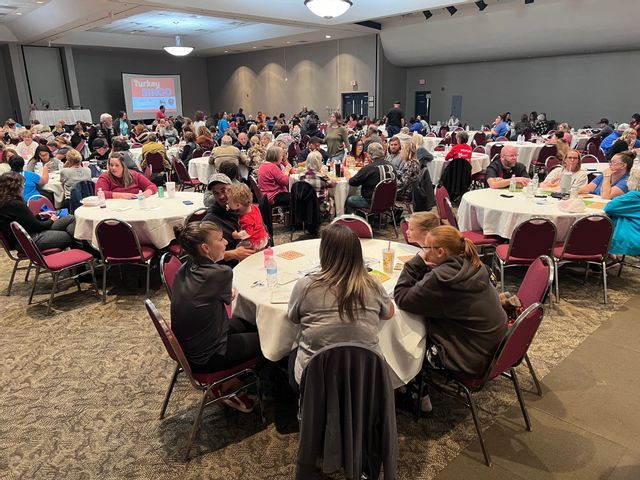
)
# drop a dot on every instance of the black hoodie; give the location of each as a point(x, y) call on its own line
point(461, 308)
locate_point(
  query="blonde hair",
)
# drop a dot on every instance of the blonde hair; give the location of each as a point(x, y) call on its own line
point(240, 193)
point(408, 152)
point(73, 157)
point(626, 135)
point(425, 221)
point(450, 239)
point(417, 140)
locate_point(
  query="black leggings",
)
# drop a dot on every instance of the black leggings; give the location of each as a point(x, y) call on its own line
point(282, 199)
point(243, 344)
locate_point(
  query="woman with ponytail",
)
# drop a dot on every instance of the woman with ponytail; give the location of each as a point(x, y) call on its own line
point(451, 288)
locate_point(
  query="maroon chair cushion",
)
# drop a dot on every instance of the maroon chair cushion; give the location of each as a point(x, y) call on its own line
point(479, 238)
point(569, 257)
point(67, 258)
point(503, 250)
point(174, 247)
point(147, 253)
point(209, 378)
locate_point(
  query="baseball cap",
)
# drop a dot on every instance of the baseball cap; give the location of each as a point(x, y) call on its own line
point(314, 140)
point(604, 120)
point(218, 178)
point(622, 127)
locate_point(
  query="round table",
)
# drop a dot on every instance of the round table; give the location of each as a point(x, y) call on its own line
point(154, 225)
point(402, 338)
point(55, 186)
point(527, 151)
point(479, 162)
point(485, 209)
point(339, 193)
point(199, 168)
point(431, 142)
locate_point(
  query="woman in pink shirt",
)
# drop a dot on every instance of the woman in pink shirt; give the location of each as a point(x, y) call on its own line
point(120, 182)
point(273, 182)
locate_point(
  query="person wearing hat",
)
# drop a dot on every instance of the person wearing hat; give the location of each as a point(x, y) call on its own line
point(313, 146)
point(605, 129)
point(100, 153)
point(226, 219)
point(394, 120)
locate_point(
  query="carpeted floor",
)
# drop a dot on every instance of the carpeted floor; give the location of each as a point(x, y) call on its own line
point(81, 391)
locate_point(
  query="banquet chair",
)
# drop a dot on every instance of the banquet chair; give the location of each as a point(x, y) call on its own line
point(54, 263)
point(595, 139)
point(304, 208)
point(588, 158)
point(502, 139)
point(80, 146)
point(480, 140)
point(510, 353)
point(431, 134)
point(478, 180)
point(136, 145)
point(81, 190)
point(445, 212)
point(183, 176)
point(495, 149)
point(456, 177)
point(195, 216)
point(439, 148)
point(587, 242)
point(531, 239)
point(356, 224)
point(382, 202)
point(528, 133)
point(169, 266)
point(581, 144)
point(593, 149)
point(156, 161)
point(255, 189)
point(197, 153)
point(479, 149)
point(210, 383)
point(535, 288)
point(551, 163)
point(539, 163)
point(36, 202)
point(118, 244)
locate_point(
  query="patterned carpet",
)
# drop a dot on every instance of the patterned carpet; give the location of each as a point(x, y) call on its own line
point(81, 391)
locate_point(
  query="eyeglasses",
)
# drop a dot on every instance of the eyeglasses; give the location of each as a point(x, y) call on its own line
point(616, 163)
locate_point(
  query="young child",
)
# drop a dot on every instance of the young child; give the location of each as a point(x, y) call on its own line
point(420, 223)
point(253, 233)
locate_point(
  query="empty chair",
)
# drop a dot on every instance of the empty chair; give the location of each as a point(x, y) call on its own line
point(480, 140)
point(55, 263)
point(551, 163)
point(456, 177)
point(479, 149)
point(531, 239)
point(198, 152)
point(37, 202)
point(587, 242)
point(510, 353)
point(155, 160)
point(169, 266)
point(382, 202)
point(495, 149)
point(183, 176)
point(119, 245)
point(355, 223)
point(208, 384)
point(538, 164)
point(502, 139)
point(588, 158)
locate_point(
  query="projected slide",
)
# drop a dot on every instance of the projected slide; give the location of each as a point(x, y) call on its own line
point(144, 94)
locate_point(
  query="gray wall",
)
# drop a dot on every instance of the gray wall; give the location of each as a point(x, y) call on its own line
point(6, 106)
point(578, 89)
point(316, 76)
point(393, 81)
point(46, 78)
point(100, 82)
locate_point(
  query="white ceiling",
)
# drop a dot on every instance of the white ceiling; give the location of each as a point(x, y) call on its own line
point(506, 28)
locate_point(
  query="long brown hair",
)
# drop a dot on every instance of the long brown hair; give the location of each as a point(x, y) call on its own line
point(127, 178)
point(450, 239)
point(10, 187)
point(343, 270)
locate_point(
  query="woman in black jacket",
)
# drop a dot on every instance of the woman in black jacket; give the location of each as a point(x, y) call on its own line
point(52, 232)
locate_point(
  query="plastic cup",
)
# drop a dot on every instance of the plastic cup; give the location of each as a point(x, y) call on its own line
point(171, 189)
point(388, 259)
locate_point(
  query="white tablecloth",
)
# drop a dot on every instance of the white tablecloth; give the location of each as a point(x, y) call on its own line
point(479, 162)
point(579, 140)
point(471, 134)
point(431, 142)
point(136, 153)
point(154, 225)
point(485, 209)
point(527, 151)
point(51, 117)
point(594, 167)
point(339, 193)
point(199, 168)
point(54, 186)
point(402, 338)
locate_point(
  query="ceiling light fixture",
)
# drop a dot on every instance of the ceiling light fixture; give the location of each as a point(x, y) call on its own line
point(427, 14)
point(327, 36)
point(178, 50)
point(328, 8)
point(481, 5)
point(452, 10)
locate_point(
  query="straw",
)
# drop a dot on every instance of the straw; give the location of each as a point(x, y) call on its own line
point(389, 247)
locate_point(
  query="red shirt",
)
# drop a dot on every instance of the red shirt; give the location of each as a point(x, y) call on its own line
point(460, 150)
point(251, 222)
point(160, 115)
point(109, 187)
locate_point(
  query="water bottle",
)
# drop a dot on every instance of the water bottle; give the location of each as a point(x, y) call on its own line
point(102, 201)
point(534, 183)
point(513, 183)
point(38, 168)
point(272, 271)
point(574, 192)
point(267, 252)
point(140, 198)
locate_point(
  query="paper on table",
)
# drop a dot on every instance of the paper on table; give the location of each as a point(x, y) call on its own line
point(383, 277)
point(286, 277)
point(280, 296)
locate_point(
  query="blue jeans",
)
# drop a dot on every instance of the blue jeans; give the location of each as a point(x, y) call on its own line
point(354, 202)
point(392, 130)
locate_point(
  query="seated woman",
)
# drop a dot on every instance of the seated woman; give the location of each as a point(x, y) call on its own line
point(407, 171)
point(571, 164)
point(72, 173)
point(256, 153)
point(31, 180)
point(624, 211)
point(464, 334)
point(202, 288)
point(613, 181)
point(48, 231)
point(189, 148)
point(356, 157)
point(320, 182)
point(627, 141)
point(340, 303)
point(120, 182)
point(204, 138)
point(273, 182)
point(562, 146)
point(45, 157)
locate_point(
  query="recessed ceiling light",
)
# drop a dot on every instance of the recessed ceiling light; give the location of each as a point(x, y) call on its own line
point(18, 13)
point(288, 42)
point(327, 36)
point(254, 47)
point(39, 2)
point(226, 51)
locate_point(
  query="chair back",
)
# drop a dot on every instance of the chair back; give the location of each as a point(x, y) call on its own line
point(181, 170)
point(80, 146)
point(479, 149)
point(528, 133)
point(480, 140)
point(592, 148)
point(551, 163)
point(430, 134)
point(304, 206)
point(502, 139)
point(454, 139)
point(136, 145)
point(456, 177)
point(595, 139)
point(588, 158)
point(536, 282)
point(601, 156)
point(445, 210)
point(495, 149)
point(549, 150)
point(36, 202)
point(6, 245)
point(384, 196)
point(198, 152)
point(80, 190)
point(196, 215)
point(156, 161)
point(516, 342)
point(257, 194)
point(27, 245)
point(169, 266)
point(118, 241)
point(438, 148)
point(589, 237)
point(581, 144)
point(356, 224)
point(532, 238)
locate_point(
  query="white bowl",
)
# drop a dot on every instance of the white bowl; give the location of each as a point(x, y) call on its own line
point(90, 201)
